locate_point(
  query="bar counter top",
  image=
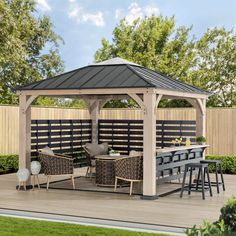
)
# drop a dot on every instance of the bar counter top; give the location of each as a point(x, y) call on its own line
point(179, 148)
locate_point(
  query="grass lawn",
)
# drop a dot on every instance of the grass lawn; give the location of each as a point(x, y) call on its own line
point(20, 227)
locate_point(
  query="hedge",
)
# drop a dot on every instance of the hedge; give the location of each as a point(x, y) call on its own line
point(9, 163)
point(228, 164)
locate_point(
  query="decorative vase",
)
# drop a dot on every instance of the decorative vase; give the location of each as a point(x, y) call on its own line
point(35, 167)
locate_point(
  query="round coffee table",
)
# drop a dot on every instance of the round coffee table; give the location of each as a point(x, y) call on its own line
point(105, 170)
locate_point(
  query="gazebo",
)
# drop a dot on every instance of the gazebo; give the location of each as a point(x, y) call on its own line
point(113, 79)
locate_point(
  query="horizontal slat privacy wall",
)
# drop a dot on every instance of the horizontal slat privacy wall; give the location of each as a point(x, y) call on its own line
point(63, 136)
point(220, 128)
point(68, 136)
point(122, 135)
point(167, 130)
point(127, 135)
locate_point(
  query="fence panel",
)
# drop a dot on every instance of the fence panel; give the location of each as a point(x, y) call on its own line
point(127, 135)
point(63, 136)
point(221, 125)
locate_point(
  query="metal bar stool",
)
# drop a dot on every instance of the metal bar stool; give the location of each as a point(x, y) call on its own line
point(218, 168)
point(202, 172)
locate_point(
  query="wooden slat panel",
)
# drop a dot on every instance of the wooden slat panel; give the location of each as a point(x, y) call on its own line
point(69, 138)
point(221, 125)
point(127, 131)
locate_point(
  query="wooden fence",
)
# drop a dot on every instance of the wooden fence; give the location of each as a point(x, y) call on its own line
point(221, 124)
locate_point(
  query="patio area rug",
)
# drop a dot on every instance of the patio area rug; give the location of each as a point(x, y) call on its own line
point(83, 183)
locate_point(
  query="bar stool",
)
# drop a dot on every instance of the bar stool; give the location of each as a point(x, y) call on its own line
point(202, 170)
point(218, 168)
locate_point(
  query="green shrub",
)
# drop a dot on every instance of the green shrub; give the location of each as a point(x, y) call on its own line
point(228, 215)
point(8, 163)
point(226, 225)
point(207, 229)
point(228, 164)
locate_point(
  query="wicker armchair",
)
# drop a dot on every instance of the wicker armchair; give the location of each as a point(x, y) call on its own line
point(91, 163)
point(58, 164)
point(129, 169)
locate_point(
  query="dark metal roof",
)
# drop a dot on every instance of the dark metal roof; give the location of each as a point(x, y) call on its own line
point(118, 73)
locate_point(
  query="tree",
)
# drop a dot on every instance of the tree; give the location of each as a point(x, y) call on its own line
point(215, 68)
point(61, 102)
point(153, 42)
point(24, 38)
point(208, 63)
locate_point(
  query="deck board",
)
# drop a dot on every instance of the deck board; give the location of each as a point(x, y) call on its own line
point(169, 210)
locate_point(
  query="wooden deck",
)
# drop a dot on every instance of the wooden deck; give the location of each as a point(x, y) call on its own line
point(169, 210)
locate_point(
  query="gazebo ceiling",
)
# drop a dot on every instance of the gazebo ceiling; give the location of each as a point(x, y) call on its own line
point(113, 73)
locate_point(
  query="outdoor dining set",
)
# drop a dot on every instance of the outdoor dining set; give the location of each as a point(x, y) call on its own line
point(111, 169)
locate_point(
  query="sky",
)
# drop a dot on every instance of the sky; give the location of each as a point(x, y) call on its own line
point(83, 23)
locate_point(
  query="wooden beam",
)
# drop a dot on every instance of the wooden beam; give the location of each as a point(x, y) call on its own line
point(29, 101)
point(94, 111)
point(200, 106)
point(178, 95)
point(25, 132)
point(159, 97)
point(201, 118)
point(94, 115)
point(139, 101)
point(149, 146)
point(63, 92)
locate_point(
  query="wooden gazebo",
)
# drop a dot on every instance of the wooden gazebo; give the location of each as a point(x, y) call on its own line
point(113, 79)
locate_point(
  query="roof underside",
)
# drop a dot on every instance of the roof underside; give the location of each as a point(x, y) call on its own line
point(117, 74)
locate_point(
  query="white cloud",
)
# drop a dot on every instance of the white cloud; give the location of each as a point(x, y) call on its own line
point(151, 10)
point(134, 11)
point(80, 15)
point(43, 5)
point(119, 13)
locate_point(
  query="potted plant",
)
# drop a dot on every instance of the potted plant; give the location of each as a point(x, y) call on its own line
point(114, 153)
point(201, 140)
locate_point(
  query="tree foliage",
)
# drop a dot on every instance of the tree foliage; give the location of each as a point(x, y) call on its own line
point(157, 43)
point(24, 38)
point(60, 102)
point(215, 68)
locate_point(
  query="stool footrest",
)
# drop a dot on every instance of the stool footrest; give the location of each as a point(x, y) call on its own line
point(193, 188)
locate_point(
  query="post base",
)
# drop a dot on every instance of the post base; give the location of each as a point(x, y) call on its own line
point(28, 187)
point(145, 197)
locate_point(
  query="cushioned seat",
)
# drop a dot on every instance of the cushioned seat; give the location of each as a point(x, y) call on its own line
point(92, 150)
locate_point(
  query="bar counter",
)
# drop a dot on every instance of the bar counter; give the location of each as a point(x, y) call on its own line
point(171, 161)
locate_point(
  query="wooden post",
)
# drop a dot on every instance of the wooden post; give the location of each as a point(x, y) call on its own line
point(201, 118)
point(149, 146)
point(200, 106)
point(25, 133)
point(94, 111)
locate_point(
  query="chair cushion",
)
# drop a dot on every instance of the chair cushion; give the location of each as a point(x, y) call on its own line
point(47, 151)
point(97, 149)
